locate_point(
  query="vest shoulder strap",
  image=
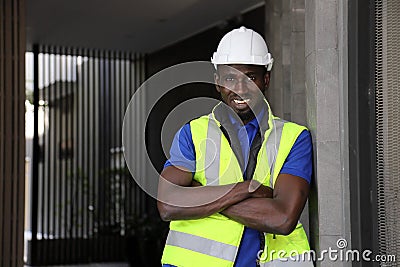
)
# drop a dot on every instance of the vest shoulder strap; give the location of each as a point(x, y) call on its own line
point(290, 133)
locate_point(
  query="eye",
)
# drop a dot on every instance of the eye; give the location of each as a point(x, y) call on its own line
point(251, 78)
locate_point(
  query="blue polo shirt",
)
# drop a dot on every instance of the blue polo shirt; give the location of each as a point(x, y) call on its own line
point(298, 163)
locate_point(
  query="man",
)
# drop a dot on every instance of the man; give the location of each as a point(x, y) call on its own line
point(237, 179)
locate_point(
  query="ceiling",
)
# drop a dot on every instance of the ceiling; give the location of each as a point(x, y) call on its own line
point(133, 25)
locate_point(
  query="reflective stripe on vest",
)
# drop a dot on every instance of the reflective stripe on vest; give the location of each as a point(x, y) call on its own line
point(201, 245)
point(272, 145)
point(212, 155)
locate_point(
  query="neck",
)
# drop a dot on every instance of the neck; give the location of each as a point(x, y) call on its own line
point(246, 118)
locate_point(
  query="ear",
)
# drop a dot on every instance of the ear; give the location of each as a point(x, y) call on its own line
point(216, 79)
point(266, 79)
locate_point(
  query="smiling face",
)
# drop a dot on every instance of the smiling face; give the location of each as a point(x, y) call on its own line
point(242, 88)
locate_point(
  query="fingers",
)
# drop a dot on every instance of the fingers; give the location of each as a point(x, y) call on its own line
point(195, 183)
point(254, 185)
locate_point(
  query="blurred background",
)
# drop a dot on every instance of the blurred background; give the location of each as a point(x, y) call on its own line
point(69, 69)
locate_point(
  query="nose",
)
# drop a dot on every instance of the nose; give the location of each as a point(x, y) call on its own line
point(240, 87)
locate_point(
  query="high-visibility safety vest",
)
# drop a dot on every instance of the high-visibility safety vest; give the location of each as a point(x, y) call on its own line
point(214, 240)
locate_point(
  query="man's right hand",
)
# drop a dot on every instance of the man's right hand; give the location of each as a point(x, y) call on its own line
point(261, 191)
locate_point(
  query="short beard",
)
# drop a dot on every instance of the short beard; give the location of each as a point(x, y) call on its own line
point(246, 116)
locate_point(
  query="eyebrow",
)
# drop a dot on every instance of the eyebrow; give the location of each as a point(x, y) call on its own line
point(238, 74)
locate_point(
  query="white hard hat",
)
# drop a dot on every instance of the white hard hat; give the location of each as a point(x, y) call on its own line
point(242, 46)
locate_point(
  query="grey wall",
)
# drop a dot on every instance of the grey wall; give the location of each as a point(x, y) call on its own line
point(285, 36)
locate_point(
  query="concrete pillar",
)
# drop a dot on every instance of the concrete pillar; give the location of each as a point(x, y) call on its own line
point(326, 105)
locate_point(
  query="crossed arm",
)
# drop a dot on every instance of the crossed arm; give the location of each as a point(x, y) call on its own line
point(262, 209)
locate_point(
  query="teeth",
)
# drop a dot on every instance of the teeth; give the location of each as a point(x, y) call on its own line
point(241, 101)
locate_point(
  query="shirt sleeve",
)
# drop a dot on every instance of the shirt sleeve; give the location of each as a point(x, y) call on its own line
point(299, 160)
point(182, 153)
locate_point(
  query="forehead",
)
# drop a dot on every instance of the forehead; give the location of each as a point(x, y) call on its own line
point(240, 68)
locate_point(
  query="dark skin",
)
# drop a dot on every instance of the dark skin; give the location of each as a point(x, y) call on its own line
point(253, 205)
point(191, 201)
point(242, 82)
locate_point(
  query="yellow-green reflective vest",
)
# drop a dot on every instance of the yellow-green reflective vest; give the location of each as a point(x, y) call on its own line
point(214, 240)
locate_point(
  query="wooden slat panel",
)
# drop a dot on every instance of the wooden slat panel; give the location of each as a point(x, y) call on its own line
point(21, 44)
point(12, 131)
point(2, 90)
point(14, 134)
point(6, 239)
